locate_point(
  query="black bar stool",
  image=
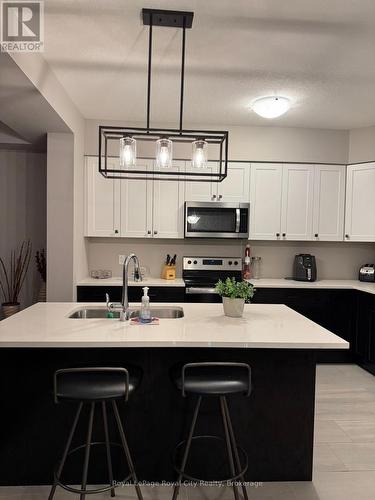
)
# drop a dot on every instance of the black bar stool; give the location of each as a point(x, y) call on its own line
point(218, 379)
point(95, 386)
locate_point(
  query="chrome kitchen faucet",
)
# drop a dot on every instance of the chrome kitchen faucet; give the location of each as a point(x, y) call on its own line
point(123, 307)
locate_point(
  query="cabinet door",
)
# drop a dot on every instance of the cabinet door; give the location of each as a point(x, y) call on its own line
point(235, 188)
point(297, 202)
point(360, 203)
point(202, 191)
point(168, 207)
point(102, 202)
point(136, 206)
point(265, 201)
point(329, 199)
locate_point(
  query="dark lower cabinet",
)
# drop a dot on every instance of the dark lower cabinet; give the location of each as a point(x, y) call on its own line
point(330, 308)
point(156, 293)
point(364, 341)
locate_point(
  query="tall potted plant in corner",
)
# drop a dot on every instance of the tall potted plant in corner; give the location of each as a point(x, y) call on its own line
point(234, 294)
point(40, 259)
point(12, 278)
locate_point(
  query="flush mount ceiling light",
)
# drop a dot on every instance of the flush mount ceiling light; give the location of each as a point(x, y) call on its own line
point(129, 147)
point(271, 106)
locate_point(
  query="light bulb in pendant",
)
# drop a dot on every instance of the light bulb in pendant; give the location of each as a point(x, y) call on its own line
point(199, 158)
point(163, 153)
point(128, 152)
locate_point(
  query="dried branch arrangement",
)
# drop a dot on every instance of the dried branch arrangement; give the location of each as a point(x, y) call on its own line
point(41, 264)
point(13, 277)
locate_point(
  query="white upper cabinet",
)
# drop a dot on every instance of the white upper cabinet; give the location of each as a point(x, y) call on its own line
point(236, 187)
point(233, 189)
point(360, 203)
point(329, 202)
point(265, 201)
point(202, 191)
point(168, 207)
point(102, 206)
point(136, 205)
point(297, 202)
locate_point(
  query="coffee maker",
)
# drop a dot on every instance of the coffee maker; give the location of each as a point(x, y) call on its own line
point(304, 268)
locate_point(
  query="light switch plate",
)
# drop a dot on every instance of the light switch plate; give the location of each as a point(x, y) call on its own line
point(121, 259)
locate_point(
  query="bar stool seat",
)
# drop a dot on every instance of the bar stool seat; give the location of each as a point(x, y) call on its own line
point(103, 385)
point(212, 379)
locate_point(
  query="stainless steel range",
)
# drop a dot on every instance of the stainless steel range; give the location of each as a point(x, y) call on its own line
point(202, 273)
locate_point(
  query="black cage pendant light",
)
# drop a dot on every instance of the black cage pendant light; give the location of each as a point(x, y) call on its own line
point(128, 152)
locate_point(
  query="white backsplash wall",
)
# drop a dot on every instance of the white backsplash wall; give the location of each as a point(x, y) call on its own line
point(334, 260)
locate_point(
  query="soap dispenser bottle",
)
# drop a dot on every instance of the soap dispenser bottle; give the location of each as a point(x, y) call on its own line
point(145, 316)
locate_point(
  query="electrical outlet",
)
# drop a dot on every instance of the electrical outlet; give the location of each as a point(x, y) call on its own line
point(121, 259)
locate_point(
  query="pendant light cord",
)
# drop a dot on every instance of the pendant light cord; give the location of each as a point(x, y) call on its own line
point(149, 75)
point(182, 74)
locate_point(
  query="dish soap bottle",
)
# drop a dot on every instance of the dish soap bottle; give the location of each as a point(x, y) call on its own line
point(145, 316)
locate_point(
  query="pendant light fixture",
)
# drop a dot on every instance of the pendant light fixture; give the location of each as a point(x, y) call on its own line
point(195, 147)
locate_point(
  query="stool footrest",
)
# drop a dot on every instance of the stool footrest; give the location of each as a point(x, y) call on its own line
point(198, 480)
point(89, 491)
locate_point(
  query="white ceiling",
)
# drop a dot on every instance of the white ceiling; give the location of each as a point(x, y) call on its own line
point(319, 53)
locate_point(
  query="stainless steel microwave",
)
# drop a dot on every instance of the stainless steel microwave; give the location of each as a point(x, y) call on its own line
point(216, 220)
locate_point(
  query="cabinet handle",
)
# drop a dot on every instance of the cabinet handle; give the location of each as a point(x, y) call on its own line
point(347, 236)
point(278, 235)
point(116, 231)
point(155, 232)
point(220, 196)
point(284, 234)
point(214, 196)
point(316, 235)
point(148, 232)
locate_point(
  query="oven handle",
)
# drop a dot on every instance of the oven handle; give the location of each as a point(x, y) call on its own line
point(238, 220)
point(200, 291)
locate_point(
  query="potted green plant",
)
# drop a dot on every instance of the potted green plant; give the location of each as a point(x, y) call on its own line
point(12, 278)
point(41, 265)
point(234, 294)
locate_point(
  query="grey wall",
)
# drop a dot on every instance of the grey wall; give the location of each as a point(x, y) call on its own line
point(334, 260)
point(362, 145)
point(23, 210)
point(60, 216)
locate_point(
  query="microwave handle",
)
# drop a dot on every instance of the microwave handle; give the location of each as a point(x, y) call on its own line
point(238, 220)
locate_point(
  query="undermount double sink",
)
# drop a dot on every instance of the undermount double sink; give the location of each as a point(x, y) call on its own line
point(102, 313)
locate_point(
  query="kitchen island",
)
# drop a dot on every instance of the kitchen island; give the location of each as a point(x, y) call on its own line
point(275, 425)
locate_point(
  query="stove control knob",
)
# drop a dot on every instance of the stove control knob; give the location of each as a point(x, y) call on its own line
point(236, 262)
point(189, 261)
point(230, 262)
point(195, 262)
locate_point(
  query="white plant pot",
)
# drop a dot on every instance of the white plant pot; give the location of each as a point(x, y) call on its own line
point(233, 307)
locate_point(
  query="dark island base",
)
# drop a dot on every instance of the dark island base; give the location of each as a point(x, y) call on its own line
point(275, 425)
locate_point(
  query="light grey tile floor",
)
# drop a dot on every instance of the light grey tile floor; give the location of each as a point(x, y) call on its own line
point(344, 453)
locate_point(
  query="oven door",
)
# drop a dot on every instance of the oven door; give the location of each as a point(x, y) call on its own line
point(197, 294)
point(216, 220)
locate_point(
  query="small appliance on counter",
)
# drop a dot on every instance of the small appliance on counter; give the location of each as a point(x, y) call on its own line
point(304, 268)
point(367, 273)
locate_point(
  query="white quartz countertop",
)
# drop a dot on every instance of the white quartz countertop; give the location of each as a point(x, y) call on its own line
point(258, 283)
point(117, 281)
point(272, 326)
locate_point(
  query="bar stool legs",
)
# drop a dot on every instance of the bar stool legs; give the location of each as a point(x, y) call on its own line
point(108, 450)
point(83, 492)
point(187, 449)
point(127, 451)
point(236, 470)
point(66, 451)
